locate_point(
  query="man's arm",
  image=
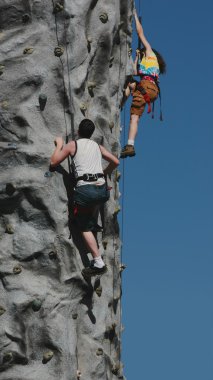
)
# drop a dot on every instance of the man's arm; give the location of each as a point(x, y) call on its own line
point(61, 152)
point(142, 37)
point(113, 161)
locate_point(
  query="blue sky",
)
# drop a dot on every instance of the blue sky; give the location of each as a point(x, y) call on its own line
point(168, 206)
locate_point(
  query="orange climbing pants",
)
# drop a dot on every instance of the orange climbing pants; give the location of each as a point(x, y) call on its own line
point(138, 102)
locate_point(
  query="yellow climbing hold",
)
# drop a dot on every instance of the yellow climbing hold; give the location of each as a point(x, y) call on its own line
point(17, 269)
point(59, 50)
point(47, 357)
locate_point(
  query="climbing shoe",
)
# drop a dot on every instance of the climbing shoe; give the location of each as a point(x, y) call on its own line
point(93, 271)
point(128, 151)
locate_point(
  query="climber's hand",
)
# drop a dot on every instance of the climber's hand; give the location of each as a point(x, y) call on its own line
point(58, 142)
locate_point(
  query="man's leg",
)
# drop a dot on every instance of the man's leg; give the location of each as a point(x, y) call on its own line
point(93, 247)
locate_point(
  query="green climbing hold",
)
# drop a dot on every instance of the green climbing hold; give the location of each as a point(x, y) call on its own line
point(42, 101)
point(47, 356)
point(10, 189)
point(2, 67)
point(58, 8)
point(17, 269)
point(36, 304)
point(103, 17)
point(29, 50)
point(2, 310)
point(59, 50)
point(9, 229)
point(99, 352)
point(7, 357)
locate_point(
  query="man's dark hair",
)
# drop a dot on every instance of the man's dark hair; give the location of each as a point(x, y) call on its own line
point(86, 128)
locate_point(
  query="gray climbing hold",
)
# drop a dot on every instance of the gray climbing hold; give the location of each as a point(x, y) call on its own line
point(17, 269)
point(103, 17)
point(98, 291)
point(104, 243)
point(29, 50)
point(25, 18)
point(7, 357)
point(2, 310)
point(12, 146)
point(36, 304)
point(10, 189)
point(47, 356)
point(53, 255)
point(59, 50)
point(48, 174)
point(42, 101)
point(99, 352)
point(74, 316)
point(58, 8)
point(2, 67)
point(9, 229)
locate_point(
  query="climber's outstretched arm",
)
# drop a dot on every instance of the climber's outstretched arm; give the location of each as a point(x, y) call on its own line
point(141, 35)
point(61, 152)
point(113, 161)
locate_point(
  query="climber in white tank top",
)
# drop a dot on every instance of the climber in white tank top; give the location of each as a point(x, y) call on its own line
point(91, 189)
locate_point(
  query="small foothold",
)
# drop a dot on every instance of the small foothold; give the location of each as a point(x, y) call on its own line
point(53, 255)
point(36, 304)
point(48, 174)
point(42, 101)
point(47, 357)
point(58, 8)
point(9, 229)
point(7, 357)
point(105, 242)
point(78, 374)
point(117, 175)
point(74, 316)
point(83, 107)
point(130, 52)
point(103, 17)
point(12, 146)
point(5, 104)
point(122, 267)
point(111, 125)
point(2, 67)
point(89, 40)
point(59, 50)
point(2, 310)
point(28, 50)
point(117, 210)
point(116, 369)
point(98, 291)
point(17, 269)
point(26, 18)
point(10, 189)
point(99, 352)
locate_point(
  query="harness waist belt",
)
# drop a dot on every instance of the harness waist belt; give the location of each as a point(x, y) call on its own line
point(90, 177)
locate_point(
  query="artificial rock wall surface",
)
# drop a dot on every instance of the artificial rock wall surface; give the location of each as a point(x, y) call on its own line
point(59, 62)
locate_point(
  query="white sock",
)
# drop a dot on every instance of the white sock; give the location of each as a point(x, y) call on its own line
point(131, 142)
point(98, 262)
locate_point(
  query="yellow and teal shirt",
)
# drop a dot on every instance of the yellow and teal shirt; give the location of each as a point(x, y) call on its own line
point(149, 66)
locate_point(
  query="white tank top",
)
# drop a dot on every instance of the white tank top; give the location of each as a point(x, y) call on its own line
point(87, 160)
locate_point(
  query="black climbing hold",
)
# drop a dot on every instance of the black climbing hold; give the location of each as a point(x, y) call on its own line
point(17, 269)
point(42, 101)
point(58, 8)
point(99, 352)
point(122, 267)
point(2, 67)
point(2, 310)
point(25, 18)
point(110, 332)
point(104, 243)
point(9, 229)
point(36, 304)
point(78, 374)
point(59, 50)
point(74, 316)
point(7, 357)
point(53, 255)
point(28, 50)
point(10, 189)
point(48, 174)
point(47, 357)
point(103, 17)
point(12, 146)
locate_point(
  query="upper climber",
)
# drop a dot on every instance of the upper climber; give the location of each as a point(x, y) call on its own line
point(149, 64)
point(91, 188)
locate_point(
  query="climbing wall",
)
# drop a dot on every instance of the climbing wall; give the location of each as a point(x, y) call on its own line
point(59, 62)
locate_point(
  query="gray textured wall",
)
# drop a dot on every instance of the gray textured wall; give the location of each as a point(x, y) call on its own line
point(45, 304)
